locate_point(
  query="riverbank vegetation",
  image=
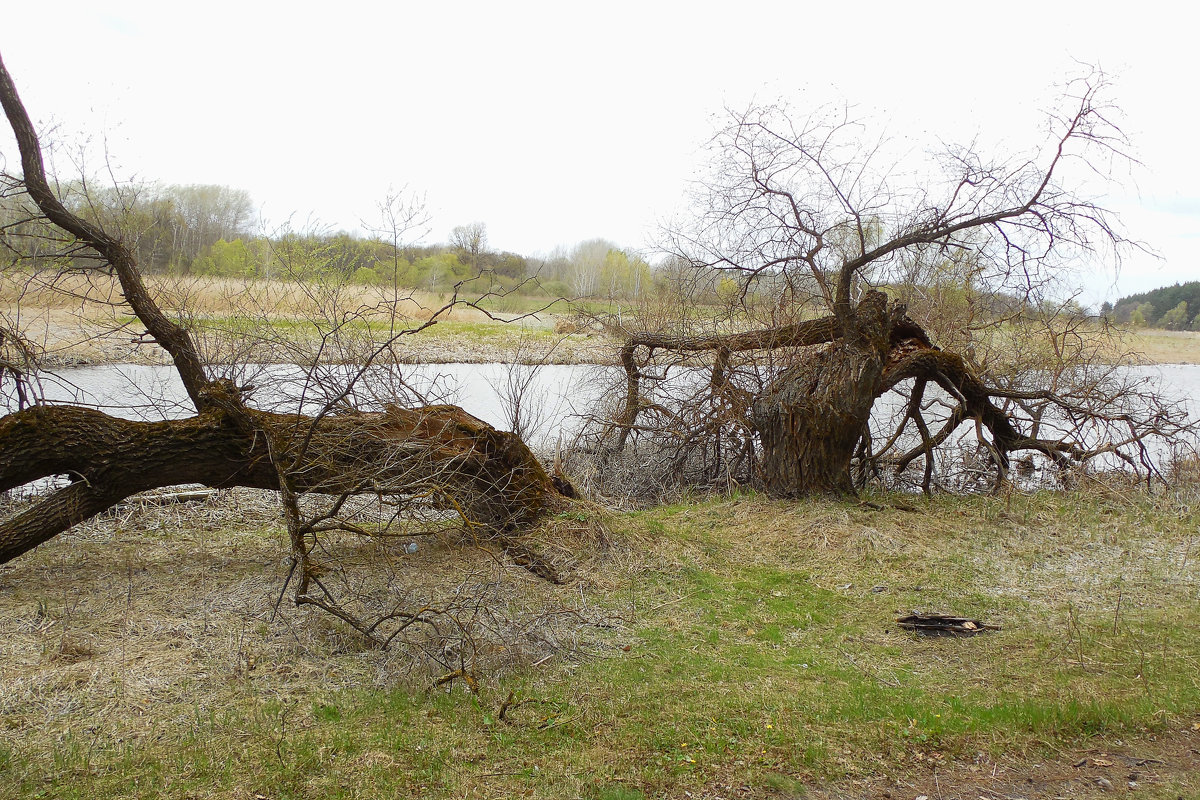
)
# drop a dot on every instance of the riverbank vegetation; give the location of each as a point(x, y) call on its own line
point(1172, 308)
point(222, 309)
point(68, 331)
point(212, 231)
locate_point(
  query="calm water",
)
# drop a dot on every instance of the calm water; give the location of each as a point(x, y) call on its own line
point(555, 398)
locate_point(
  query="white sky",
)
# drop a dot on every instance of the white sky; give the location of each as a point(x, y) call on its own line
point(558, 122)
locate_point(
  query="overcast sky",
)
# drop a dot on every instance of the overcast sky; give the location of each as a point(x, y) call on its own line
point(558, 122)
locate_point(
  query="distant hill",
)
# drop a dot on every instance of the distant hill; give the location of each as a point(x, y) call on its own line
point(1175, 307)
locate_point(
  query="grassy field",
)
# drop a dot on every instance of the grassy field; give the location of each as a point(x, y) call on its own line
point(733, 647)
point(225, 312)
point(1166, 347)
point(276, 320)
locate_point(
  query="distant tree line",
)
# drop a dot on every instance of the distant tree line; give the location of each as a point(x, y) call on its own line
point(209, 230)
point(1175, 308)
point(169, 227)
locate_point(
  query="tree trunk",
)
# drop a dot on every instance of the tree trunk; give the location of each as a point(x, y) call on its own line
point(439, 452)
point(811, 419)
point(490, 477)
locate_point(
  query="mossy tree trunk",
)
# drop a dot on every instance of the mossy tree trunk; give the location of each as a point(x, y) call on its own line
point(441, 452)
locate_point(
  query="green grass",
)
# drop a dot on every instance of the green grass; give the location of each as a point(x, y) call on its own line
point(761, 651)
point(490, 330)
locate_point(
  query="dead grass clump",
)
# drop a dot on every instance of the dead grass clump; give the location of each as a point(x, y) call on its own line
point(72, 649)
point(1183, 472)
point(565, 326)
point(571, 546)
point(822, 530)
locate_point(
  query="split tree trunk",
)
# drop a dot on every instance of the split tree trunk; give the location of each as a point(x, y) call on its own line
point(811, 420)
point(490, 477)
point(441, 452)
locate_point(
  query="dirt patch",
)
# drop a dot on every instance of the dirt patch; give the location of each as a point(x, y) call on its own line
point(1164, 764)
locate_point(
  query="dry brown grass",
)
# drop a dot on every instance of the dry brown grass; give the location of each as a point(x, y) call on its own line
point(159, 613)
point(218, 296)
point(77, 318)
point(74, 316)
point(730, 642)
point(1164, 347)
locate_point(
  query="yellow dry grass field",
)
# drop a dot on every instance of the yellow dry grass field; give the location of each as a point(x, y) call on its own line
point(1164, 347)
point(77, 319)
point(219, 296)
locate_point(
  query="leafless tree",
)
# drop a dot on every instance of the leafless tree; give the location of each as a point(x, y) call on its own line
point(471, 241)
point(524, 404)
point(403, 217)
point(350, 430)
point(836, 256)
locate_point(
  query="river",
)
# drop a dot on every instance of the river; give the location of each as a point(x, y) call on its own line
point(554, 398)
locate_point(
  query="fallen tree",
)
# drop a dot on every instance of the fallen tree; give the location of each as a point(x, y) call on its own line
point(488, 475)
point(427, 454)
point(933, 294)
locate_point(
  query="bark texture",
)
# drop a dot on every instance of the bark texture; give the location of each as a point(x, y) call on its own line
point(810, 421)
point(490, 476)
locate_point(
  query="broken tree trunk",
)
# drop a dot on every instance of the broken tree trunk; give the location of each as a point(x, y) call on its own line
point(811, 419)
point(489, 476)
